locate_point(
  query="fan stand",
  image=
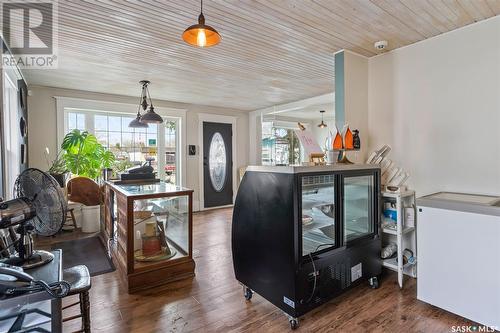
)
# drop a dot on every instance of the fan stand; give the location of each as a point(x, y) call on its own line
point(27, 258)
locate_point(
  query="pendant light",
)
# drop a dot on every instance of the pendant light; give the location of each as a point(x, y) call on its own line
point(201, 35)
point(322, 125)
point(136, 123)
point(141, 121)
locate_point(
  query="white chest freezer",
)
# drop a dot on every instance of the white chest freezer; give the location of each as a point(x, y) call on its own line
point(458, 242)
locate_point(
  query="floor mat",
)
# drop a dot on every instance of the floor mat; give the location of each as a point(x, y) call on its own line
point(88, 251)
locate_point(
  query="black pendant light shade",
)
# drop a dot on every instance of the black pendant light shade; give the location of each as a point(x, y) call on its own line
point(200, 34)
point(322, 124)
point(136, 123)
point(151, 117)
point(141, 121)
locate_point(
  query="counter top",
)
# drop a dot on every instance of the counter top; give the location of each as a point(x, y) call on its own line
point(147, 189)
point(294, 169)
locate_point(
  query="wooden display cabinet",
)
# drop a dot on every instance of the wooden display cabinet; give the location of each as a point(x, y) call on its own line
point(149, 232)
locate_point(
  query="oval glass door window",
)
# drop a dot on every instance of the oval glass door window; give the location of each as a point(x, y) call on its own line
point(217, 162)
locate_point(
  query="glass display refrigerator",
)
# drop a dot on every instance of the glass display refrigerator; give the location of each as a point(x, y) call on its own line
point(149, 227)
point(302, 235)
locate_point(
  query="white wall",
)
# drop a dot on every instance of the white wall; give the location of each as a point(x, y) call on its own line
point(437, 103)
point(43, 133)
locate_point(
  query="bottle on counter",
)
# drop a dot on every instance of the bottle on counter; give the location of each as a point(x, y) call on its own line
point(356, 140)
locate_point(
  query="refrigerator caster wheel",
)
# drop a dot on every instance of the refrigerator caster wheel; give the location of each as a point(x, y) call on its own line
point(373, 282)
point(248, 293)
point(294, 324)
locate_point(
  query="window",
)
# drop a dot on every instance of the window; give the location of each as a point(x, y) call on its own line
point(280, 145)
point(170, 151)
point(131, 146)
point(76, 121)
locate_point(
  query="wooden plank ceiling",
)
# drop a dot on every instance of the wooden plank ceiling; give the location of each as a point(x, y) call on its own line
point(272, 51)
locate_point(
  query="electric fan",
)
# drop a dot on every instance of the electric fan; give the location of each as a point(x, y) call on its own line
point(40, 206)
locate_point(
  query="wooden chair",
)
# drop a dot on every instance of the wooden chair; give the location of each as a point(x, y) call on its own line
point(84, 190)
point(79, 279)
point(70, 215)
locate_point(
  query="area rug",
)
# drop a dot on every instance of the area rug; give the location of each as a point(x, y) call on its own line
point(88, 251)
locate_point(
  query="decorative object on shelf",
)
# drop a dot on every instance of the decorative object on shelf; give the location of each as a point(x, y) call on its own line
point(153, 245)
point(328, 142)
point(322, 124)
point(337, 141)
point(317, 159)
point(356, 140)
point(150, 117)
point(201, 34)
point(348, 139)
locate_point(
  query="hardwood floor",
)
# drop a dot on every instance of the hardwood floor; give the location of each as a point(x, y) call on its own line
point(213, 300)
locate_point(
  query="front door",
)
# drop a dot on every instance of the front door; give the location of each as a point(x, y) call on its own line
point(217, 164)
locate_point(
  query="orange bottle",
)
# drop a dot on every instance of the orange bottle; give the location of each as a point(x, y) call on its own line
point(337, 142)
point(348, 139)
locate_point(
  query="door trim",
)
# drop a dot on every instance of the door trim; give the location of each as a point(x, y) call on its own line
point(214, 118)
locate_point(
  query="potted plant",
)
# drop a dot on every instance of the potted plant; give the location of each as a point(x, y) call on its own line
point(57, 167)
point(84, 155)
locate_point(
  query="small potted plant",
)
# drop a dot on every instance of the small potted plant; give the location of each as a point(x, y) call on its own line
point(57, 167)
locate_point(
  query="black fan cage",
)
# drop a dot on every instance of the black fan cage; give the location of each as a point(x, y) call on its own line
point(47, 198)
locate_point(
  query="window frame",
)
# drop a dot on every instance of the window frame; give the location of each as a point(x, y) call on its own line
point(65, 105)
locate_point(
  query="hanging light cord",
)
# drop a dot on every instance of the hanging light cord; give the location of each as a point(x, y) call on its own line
point(139, 107)
point(149, 96)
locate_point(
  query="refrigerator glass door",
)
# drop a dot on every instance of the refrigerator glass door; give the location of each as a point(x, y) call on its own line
point(318, 213)
point(358, 206)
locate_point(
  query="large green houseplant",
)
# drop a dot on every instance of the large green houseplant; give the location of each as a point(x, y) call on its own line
point(84, 155)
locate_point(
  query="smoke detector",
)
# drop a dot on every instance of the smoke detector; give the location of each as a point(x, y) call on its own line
point(381, 45)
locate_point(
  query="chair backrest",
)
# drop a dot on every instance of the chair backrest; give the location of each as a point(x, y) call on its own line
point(84, 190)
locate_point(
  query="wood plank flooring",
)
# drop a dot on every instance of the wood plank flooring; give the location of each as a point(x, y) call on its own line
point(213, 301)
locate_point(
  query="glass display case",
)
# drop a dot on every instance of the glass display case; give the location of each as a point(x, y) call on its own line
point(150, 227)
point(303, 235)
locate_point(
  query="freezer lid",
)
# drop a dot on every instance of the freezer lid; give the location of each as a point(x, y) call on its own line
point(467, 202)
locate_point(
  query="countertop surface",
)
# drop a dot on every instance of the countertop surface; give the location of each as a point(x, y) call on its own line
point(293, 169)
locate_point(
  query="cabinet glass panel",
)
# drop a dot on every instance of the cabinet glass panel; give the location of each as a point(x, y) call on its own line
point(318, 213)
point(161, 230)
point(358, 202)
